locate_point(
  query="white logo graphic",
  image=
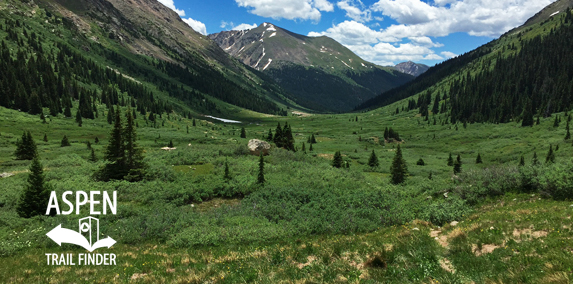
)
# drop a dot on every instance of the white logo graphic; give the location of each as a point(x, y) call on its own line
point(85, 237)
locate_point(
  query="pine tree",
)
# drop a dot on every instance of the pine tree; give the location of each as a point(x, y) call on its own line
point(110, 114)
point(93, 157)
point(535, 160)
point(194, 123)
point(398, 170)
point(478, 159)
point(568, 135)
point(227, 175)
point(373, 160)
point(550, 155)
point(538, 121)
point(135, 166)
point(187, 129)
point(261, 175)
point(527, 115)
point(310, 148)
point(243, 133)
point(89, 145)
point(312, 139)
point(270, 136)
point(303, 147)
point(288, 139)
point(522, 161)
point(67, 112)
point(457, 167)
point(556, 122)
point(79, 118)
point(337, 161)
point(450, 160)
point(278, 139)
point(421, 162)
point(65, 142)
point(170, 145)
point(34, 199)
point(26, 147)
point(115, 153)
point(96, 140)
point(45, 137)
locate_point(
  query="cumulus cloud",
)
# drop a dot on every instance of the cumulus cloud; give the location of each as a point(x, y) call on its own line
point(448, 54)
point(475, 17)
point(420, 22)
point(359, 14)
point(169, 4)
point(196, 25)
point(244, 27)
point(287, 9)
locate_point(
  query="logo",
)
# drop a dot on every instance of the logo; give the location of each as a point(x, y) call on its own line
point(88, 232)
point(91, 242)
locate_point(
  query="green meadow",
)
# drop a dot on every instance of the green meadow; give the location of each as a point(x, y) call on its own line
point(309, 222)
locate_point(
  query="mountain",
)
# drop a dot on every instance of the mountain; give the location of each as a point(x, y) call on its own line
point(526, 73)
point(122, 51)
point(411, 68)
point(322, 74)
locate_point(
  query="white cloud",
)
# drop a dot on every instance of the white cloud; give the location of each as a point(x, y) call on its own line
point(421, 21)
point(475, 17)
point(287, 9)
point(244, 27)
point(354, 12)
point(196, 25)
point(324, 5)
point(169, 4)
point(448, 54)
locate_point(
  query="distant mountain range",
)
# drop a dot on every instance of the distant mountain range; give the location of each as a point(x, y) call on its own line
point(320, 72)
point(411, 68)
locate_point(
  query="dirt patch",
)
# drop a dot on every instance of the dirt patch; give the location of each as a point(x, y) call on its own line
point(447, 265)
point(326, 156)
point(528, 232)
point(456, 233)
point(310, 259)
point(301, 114)
point(539, 234)
point(136, 276)
point(443, 241)
point(485, 249)
point(435, 233)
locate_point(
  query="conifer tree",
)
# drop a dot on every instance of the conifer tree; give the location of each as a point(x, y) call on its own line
point(34, 199)
point(187, 129)
point(398, 170)
point(194, 123)
point(550, 155)
point(303, 147)
point(45, 137)
point(373, 160)
point(67, 111)
point(170, 144)
point(535, 160)
point(556, 122)
point(421, 162)
point(243, 133)
point(288, 139)
point(312, 139)
point(110, 114)
point(527, 115)
point(269, 136)
point(93, 157)
point(568, 134)
point(65, 142)
point(115, 152)
point(538, 120)
point(450, 160)
point(26, 147)
point(96, 140)
point(337, 161)
point(457, 167)
point(478, 159)
point(522, 161)
point(79, 118)
point(310, 148)
point(261, 175)
point(135, 167)
point(278, 139)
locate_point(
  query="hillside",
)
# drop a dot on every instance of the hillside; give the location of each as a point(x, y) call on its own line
point(515, 78)
point(320, 72)
point(168, 63)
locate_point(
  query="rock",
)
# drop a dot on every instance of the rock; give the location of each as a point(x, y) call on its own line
point(453, 223)
point(446, 195)
point(256, 146)
point(5, 175)
point(168, 149)
point(415, 229)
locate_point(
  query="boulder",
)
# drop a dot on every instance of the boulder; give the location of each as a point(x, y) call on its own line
point(256, 146)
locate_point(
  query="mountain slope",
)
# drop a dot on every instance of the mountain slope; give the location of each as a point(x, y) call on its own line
point(151, 44)
point(411, 68)
point(525, 73)
point(322, 73)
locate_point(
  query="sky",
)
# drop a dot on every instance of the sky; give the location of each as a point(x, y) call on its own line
point(385, 32)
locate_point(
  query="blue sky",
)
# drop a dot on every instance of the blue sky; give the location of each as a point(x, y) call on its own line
point(384, 32)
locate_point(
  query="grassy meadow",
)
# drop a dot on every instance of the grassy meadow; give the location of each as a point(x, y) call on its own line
point(310, 222)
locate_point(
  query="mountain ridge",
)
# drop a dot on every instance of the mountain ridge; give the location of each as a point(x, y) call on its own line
point(335, 77)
